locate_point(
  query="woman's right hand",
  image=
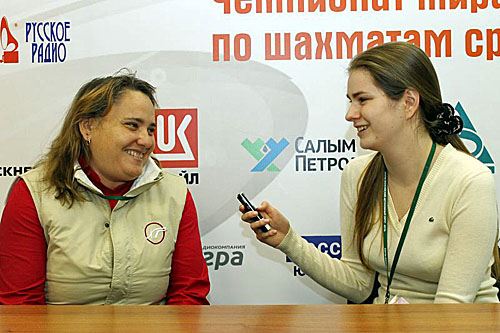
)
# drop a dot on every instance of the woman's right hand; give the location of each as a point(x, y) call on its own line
point(278, 223)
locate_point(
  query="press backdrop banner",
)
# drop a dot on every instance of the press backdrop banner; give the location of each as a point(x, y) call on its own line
point(252, 99)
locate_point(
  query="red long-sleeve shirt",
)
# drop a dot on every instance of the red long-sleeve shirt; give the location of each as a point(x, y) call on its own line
point(23, 251)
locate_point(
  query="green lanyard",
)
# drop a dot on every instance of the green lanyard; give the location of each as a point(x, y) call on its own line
point(407, 224)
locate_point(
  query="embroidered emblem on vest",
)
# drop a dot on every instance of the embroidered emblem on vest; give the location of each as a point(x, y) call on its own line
point(154, 232)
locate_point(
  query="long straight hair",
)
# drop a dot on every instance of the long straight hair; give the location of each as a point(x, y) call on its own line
point(396, 67)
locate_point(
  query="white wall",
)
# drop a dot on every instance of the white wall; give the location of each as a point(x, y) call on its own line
point(171, 44)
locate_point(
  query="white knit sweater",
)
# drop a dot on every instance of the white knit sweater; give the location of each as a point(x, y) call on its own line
point(448, 252)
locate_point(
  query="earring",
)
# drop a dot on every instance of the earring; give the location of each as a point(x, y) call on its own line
point(88, 141)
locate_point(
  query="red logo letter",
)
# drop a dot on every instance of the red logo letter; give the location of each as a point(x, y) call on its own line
point(177, 138)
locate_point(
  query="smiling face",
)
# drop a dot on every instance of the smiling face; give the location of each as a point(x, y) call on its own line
point(378, 119)
point(122, 141)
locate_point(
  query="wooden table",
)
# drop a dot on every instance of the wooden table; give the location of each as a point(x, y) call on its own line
point(254, 318)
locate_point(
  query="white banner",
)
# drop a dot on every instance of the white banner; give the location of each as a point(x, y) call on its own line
point(255, 90)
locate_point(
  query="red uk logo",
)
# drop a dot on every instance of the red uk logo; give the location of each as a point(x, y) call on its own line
point(177, 138)
point(8, 44)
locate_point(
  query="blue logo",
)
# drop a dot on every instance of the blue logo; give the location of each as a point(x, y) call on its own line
point(330, 245)
point(49, 40)
point(470, 133)
point(265, 153)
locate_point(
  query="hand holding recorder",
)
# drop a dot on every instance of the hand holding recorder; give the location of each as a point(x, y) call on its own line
point(249, 207)
point(260, 218)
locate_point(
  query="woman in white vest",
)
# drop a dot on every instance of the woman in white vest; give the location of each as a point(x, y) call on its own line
point(97, 221)
point(420, 172)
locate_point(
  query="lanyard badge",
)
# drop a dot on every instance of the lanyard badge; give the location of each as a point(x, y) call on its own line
point(407, 224)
